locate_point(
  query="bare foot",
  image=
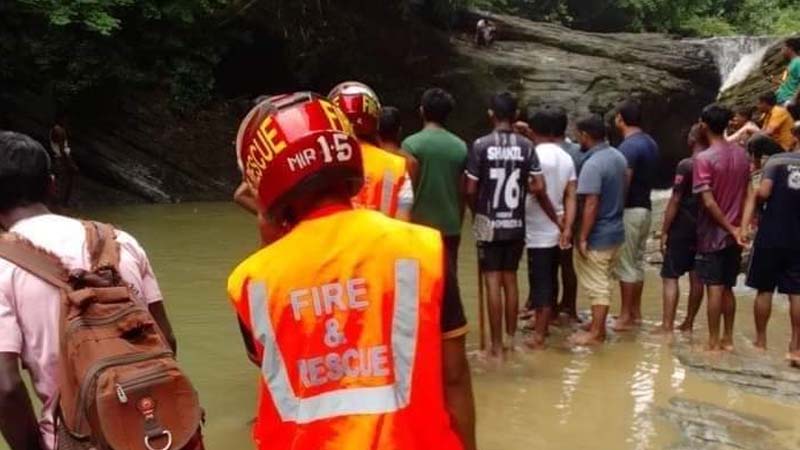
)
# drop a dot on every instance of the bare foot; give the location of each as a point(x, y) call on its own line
point(622, 325)
point(585, 338)
point(760, 346)
point(586, 326)
point(793, 357)
point(662, 330)
point(726, 344)
point(536, 342)
point(686, 328)
point(527, 314)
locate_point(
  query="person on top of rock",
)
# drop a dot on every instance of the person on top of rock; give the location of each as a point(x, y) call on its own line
point(788, 92)
point(777, 122)
point(484, 33)
point(742, 126)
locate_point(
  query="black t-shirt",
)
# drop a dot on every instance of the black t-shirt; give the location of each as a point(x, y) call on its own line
point(502, 163)
point(780, 220)
point(684, 227)
point(642, 154)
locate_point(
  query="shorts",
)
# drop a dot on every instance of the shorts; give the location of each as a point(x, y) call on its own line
point(630, 268)
point(596, 274)
point(543, 266)
point(772, 268)
point(719, 268)
point(678, 260)
point(500, 256)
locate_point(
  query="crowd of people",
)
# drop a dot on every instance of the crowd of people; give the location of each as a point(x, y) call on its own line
point(352, 308)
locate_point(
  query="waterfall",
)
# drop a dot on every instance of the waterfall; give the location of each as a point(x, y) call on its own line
point(737, 56)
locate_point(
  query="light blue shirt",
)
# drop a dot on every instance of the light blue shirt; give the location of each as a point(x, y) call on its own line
point(603, 174)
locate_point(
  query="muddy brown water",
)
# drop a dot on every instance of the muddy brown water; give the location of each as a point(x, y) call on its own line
point(633, 393)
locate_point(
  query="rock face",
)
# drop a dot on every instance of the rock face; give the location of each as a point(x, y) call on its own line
point(589, 72)
point(137, 150)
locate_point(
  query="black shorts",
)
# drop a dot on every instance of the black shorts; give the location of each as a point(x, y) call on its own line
point(719, 268)
point(500, 256)
point(678, 260)
point(772, 268)
point(543, 276)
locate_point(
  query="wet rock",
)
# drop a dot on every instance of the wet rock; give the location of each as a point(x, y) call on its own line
point(758, 375)
point(746, 92)
point(707, 427)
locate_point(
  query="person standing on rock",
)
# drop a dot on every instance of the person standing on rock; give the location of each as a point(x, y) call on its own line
point(720, 178)
point(642, 154)
point(601, 189)
point(501, 167)
point(543, 237)
point(679, 241)
point(788, 93)
point(775, 262)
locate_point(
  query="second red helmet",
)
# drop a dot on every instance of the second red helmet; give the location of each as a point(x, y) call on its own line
point(360, 104)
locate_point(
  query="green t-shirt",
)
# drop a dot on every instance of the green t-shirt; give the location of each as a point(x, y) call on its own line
point(442, 159)
point(789, 87)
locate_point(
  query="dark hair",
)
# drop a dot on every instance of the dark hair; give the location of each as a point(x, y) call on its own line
point(389, 123)
point(717, 117)
point(24, 171)
point(560, 120)
point(762, 145)
point(541, 121)
point(504, 106)
point(769, 98)
point(697, 136)
point(631, 112)
point(793, 43)
point(594, 126)
point(745, 111)
point(437, 104)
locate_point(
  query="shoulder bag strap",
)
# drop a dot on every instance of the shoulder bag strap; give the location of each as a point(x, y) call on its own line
point(34, 261)
point(102, 244)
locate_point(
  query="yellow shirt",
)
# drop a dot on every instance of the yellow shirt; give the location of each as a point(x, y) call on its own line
point(780, 121)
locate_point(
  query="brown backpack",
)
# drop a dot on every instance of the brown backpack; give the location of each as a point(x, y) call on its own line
point(119, 385)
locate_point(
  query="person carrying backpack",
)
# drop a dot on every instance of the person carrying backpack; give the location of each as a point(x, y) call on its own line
point(81, 309)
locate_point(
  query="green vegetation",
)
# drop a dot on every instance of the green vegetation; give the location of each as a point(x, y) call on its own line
point(688, 17)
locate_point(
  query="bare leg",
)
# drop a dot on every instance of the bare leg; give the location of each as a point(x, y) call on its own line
point(569, 280)
point(762, 309)
point(511, 290)
point(495, 307)
point(671, 293)
point(715, 294)
point(695, 300)
point(729, 313)
point(794, 345)
point(597, 332)
point(636, 305)
point(626, 321)
point(543, 317)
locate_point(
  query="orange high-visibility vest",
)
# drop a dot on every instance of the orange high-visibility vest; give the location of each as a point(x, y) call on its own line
point(345, 313)
point(384, 174)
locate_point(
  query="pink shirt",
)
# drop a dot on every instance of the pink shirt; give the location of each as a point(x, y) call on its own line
point(29, 307)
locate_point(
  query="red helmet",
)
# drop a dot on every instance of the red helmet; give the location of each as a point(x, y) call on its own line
point(287, 139)
point(361, 105)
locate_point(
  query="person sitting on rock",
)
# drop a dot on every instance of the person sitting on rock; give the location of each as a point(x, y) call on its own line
point(484, 33)
point(742, 127)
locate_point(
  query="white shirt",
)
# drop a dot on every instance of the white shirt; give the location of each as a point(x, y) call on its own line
point(29, 307)
point(558, 170)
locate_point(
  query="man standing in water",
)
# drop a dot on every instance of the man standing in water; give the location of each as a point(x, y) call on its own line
point(775, 261)
point(641, 152)
point(439, 181)
point(720, 178)
point(501, 167)
point(601, 189)
point(679, 241)
point(29, 307)
point(543, 237)
point(345, 313)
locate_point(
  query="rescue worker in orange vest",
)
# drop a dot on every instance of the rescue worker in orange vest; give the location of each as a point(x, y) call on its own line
point(344, 313)
point(387, 184)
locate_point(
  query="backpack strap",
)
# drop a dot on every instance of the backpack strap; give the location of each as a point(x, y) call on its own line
point(35, 261)
point(102, 244)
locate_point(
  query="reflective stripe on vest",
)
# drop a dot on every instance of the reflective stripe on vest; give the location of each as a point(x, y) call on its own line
point(344, 402)
point(387, 192)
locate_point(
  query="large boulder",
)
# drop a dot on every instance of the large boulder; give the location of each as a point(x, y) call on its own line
point(131, 146)
point(590, 72)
